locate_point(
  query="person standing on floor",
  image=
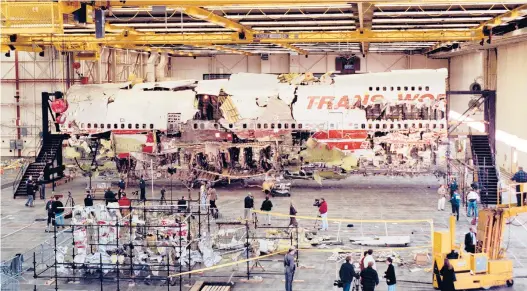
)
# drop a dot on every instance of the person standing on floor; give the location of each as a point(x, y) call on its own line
point(42, 186)
point(142, 187)
point(292, 212)
point(213, 196)
point(109, 196)
point(49, 212)
point(290, 268)
point(58, 211)
point(390, 275)
point(122, 186)
point(346, 274)
point(456, 202)
point(473, 199)
point(370, 278)
point(470, 241)
point(267, 206)
point(369, 259)
point(248, 204)
point(124, 204)
point(323, 210)
point(30, 190)
point(442, 197)
point(88, 201)
point(449, 277)
point(520, 177)
point(453, 186)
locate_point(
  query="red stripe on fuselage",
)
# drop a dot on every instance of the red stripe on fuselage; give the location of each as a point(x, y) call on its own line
point(341, 134)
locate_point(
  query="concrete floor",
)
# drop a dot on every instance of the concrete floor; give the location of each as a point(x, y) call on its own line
point(354, 198)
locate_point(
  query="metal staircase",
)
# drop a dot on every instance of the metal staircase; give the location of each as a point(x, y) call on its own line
point(484, 164)
point(44, 163)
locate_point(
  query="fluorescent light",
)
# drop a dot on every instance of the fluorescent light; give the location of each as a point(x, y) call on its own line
point(325, 28)
point(405, 19)
point(278, 7)
point(481, 3)
point(425, 30)
point(423, 25)
point(301, 22)
point(283, 16)
point(184, 29)
point(434, 13)
point(161, 24)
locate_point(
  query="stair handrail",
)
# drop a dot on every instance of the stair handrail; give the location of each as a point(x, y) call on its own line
point(464, 116)
point(19, 176)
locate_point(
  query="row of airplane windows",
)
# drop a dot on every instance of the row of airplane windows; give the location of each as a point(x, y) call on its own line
point(115, 126)
point(269, 126)
point(405, 88)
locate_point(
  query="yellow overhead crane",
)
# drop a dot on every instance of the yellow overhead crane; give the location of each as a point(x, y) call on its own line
point(486, 268)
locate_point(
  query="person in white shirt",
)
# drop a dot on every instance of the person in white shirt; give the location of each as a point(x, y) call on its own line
point(473, 199)
point(369, 258)
point(442, 198)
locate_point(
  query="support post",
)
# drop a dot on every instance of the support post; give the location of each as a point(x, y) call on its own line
point(247, 247)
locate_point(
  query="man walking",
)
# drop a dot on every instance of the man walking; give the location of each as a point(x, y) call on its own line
point(346, 274)
point(473, 199)
point(390, 275)
point(470, 241)
point(49, 212)
point(453, 186)
point(442, 197)
point(58, 210)
point(290, 268)
point(142, 187)
point(456, 202)
point(267, 205)
point(30, 190)
point(122, 186)
point(370, 278)
point(323, 210)
point(520, 177)
point(42, 186)
point(248, 205)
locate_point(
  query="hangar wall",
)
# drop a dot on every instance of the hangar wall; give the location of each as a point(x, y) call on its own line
point(511, 117)
point(49, 72)
point(511, 136)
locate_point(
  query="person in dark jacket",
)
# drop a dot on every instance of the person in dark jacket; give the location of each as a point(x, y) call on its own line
point(248, 204)
point(88, 201)
point(369, 277)
point(346, 274)
point(453, 186)
point(267, 205)
point(58, 211)
point(182, 204)
point(292, 212)
point(49, 212)
point(30, 190)
point(109, 196)
point(470, 241)
point(390, 275)
point(448, 277)
point(520, 177)
point(121, 184)
point(142, 187)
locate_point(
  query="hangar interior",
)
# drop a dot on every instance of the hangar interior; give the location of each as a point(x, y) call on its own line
point(359, 102)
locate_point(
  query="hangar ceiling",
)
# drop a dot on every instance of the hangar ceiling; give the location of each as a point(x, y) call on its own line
point(257, 27)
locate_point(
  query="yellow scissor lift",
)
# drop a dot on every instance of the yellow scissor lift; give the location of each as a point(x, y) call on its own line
point(488, 267)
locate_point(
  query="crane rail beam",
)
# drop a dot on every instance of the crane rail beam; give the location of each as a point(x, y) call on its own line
point(233, 38)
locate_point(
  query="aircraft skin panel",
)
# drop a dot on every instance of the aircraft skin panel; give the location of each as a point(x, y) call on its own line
point(371, 116)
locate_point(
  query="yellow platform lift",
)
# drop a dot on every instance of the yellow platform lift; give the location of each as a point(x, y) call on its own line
point(486, 268)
